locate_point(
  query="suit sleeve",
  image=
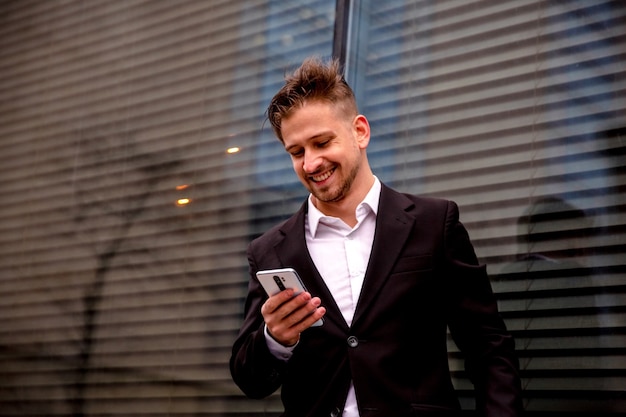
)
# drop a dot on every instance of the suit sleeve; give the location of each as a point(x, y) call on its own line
point(477, 327)
point(253, 367)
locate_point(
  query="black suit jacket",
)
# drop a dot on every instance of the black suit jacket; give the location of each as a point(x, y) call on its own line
point(423, 277)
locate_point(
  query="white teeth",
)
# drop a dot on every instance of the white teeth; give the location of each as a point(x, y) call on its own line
point(324, 176)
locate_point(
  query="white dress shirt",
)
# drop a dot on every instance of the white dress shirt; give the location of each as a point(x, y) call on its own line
point(341, 254)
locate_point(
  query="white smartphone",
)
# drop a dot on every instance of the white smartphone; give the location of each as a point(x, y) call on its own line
point(277, 280)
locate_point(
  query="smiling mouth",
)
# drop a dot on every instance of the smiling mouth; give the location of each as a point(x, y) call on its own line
point(323, 177)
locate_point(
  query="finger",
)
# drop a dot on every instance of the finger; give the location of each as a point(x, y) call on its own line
point(286, 329)
point(277, 300)
point(278, 309)
point(285, 314)
point(308, 321)
point(290, 309)
point(305, 314)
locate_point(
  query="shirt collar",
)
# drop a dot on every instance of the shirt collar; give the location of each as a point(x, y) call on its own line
point(369, 203)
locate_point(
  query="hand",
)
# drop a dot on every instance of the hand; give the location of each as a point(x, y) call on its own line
point(287, 316)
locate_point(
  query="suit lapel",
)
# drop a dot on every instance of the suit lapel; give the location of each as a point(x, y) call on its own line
point(293, 252)
point(393, 228)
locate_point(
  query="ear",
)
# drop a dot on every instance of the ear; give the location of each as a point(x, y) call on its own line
point(361, 131)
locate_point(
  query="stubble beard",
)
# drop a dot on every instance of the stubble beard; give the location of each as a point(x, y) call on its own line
point(333, 195)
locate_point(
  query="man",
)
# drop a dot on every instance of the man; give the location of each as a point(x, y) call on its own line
point(388, 272)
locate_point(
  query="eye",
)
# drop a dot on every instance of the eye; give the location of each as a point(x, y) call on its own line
point(296, 152)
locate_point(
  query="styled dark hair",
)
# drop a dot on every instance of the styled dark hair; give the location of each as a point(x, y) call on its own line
point(313, 80)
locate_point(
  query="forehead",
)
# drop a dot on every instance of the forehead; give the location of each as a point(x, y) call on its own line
point(311, 118)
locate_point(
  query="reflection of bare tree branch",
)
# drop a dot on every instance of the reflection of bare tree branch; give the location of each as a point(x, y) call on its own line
point(150, 168)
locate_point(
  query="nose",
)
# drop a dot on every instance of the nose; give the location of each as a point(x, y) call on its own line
point(312, 162)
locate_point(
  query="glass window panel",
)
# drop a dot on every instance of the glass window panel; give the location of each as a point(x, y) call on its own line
point(515, 110)
point(125, 220)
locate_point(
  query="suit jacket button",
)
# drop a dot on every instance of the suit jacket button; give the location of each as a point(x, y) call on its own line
point(353, 341)
point(335, 413)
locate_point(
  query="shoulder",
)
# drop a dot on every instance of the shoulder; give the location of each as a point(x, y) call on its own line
point(416, 204)
point(276, 233)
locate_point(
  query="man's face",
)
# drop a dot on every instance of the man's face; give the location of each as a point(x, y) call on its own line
point(326, 147)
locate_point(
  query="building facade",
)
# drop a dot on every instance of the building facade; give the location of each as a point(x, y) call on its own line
point(136, 165)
